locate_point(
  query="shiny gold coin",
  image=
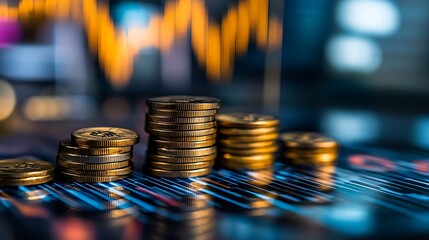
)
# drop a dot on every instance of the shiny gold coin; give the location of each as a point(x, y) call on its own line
point(178, 120)
point(246, 120)
point(85, 178)
point(255, 138)
point(246, 145)
point(22, 168)
point(250, 131)
point(180, 166)
point(314, 158)
point(307, 140)
point(186, 139)
point(183, 114)
point(171, 152)
point(13, 182)
point(174, 144)
point(184, 103)
point(92, 166)
point(249, 166)
point(178, 174)
point(95, 159)
point(161, 158)
point(244, 159)
point(249, 151)
point(104, 137)
point(180, 127)
point(66, 146)
point(112, 172)
point(178, 134)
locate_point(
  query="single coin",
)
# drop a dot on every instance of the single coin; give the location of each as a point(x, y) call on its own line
point(13, 182)
point(93, 179)
point(245, 145)
point(184, 103)
point(22, 168)
point(172, 133)
point(246, 120)
point(95, 159)
point(104, 137)
point(249, 151)
point(66, 146)
point(175, 144)
point(253, 158)
point(113, 172)
point(178, 174)
point(320, 157)
point(248, 165)
point(178, 120)
point(161, 158)
point(180, 166)
point(180, 127)
point(182, 114)
point(307, 140)
point(249, 138)
point(186, 139)
point(251, 131)
point(92, 166)
point(171, 152)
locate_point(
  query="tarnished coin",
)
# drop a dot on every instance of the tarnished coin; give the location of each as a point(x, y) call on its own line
point(67, 147)
point(246, 120)
point(12, 182)
point(95, 159)
point(104, 137)
point(171, 152)
point(179, 166)
point(307, 140)
point(178, 134)
point(187, 139)
point(179, 120)
point(249, 151)
point(182, 114)
point(244, 145)
point(91, 179)
point(184, 103)
point(112, 172)
point(22, 168)
point(249, 138)
point(180, 127)
point(247, 159)
point(176, 144)
point(92, 166)
point(161, 158)
point(251, 131)
point(178, 174)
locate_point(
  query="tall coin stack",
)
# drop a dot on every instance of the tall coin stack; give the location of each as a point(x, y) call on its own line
point(182, 136)
point(308, 148)
point(246, 140)
point(99, 154)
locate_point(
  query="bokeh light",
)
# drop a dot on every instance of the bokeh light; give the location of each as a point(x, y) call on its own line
point(7, 100)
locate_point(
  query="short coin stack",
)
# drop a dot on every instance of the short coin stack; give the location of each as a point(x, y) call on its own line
point(308, 148)
point(182, 136)
point(21, 172)
point(246, 140)
point(99, 154)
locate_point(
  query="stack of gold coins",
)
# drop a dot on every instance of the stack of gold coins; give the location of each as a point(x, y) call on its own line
point(20, 172)
point(99, 154)
point(182, 136)
point(308, 148)
point(246, 140)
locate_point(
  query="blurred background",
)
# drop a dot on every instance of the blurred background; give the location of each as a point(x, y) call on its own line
point(356, 70)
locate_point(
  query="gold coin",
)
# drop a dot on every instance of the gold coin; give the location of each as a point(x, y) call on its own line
point(250, 166)
point(178, 174)
point(92, 166)
point(180, 166)
point(113, 172)
point(251, 131)
point(171, 152)
point(92, 179)
point(249, 151)
point(186, 139)
point(104, 137)
point(255, 138)
point(67, 147)
point(180, 127)
point(246, 120)
point(161, 158)
point(21, 168)
point(244, 159)
point(13, 182)
point(246, 145)
point(175, 144)
point(183, 114)
point(178, 120)
point(307, 140)
point(172, 133)
point(95, 159)
point(184, 103)
point(321, 157)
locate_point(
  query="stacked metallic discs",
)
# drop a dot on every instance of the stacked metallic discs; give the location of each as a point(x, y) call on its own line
point(308, 148)
point(246, 140)
point(21, 172)
point(99, 154)
point(182, 136)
